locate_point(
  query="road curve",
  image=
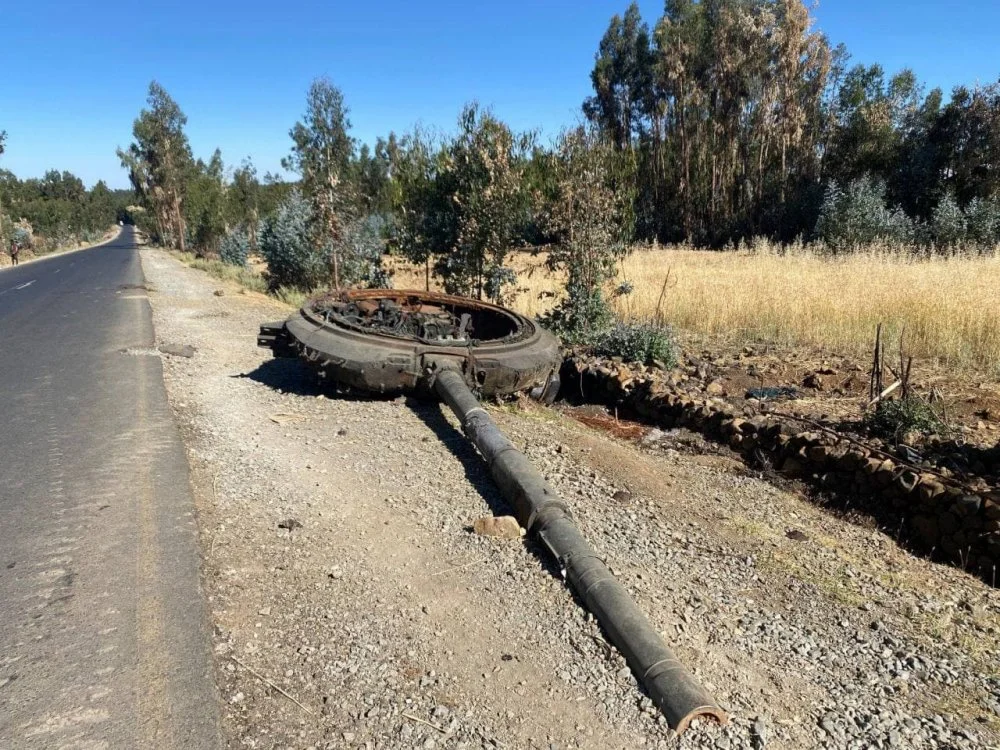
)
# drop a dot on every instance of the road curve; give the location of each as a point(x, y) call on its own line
point(104, 639)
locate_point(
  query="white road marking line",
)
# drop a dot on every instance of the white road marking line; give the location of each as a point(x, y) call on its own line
point(15, 288)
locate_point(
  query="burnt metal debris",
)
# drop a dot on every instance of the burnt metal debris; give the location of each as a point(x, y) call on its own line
point(389, 341)
point(435, 344)
point(405, 318)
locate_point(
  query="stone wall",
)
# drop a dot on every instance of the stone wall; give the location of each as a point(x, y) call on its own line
point(950, 519)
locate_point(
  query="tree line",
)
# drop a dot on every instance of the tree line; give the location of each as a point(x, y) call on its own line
point(56, 209)
point(736, 118)
point(725, 120)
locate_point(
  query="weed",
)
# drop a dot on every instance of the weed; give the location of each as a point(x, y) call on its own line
point(245, 277)
point(291, 295)
point(637, 342)
point(893, 419)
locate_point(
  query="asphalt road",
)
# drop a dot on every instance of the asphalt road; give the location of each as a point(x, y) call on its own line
point(104, 640)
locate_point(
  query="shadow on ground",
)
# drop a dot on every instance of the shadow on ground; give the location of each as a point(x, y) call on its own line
point(295, 377)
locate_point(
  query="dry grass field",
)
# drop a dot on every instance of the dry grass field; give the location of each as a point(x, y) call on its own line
point(797, 296)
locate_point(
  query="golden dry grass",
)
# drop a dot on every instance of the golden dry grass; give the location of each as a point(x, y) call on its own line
point(950, 306)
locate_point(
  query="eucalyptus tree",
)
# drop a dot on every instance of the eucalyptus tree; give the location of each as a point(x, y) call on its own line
point(621, 77)
point(483, 172)
point(424, 223)
point(321, 154)
point(587, 221)
point(719, 109)
point(243, 201)
point(159, 162)
point(205, 207)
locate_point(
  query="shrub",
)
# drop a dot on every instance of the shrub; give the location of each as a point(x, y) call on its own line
point(498, 280)
point(893, 419)
point(637, 342)
point(589, 218)
point(859, 216)
point(948, 224)
point(361, 248)
point(983, 222)
point(22, 237)
point(579, 314)
point(285, 243)
point(235, 247)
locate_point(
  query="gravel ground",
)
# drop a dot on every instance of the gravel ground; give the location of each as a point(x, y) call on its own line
point(353, 607)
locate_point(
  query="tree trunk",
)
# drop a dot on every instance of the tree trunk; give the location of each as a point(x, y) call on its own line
point(252, 231)
point(179, 223)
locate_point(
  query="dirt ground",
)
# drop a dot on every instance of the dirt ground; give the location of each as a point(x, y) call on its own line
point(353, 606)
point(833, 388)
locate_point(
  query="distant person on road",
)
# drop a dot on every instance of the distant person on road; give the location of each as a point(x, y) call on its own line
point(15, 250)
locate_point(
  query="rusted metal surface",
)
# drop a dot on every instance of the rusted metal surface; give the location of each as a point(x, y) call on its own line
point(389, 341)
point(542, 512)
point(426, 317)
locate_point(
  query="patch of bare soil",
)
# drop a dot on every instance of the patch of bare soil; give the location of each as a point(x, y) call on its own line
point(353, 606)
point(833, 389)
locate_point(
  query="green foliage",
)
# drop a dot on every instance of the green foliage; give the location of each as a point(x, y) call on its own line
point(460, 205)
point(982, 218)
point(483, 178)
point(948, 223)
point(499, 279)
point(205, 205)
point(869, 113)
point(235, 248)
point(100, 209)
point(579, 315)
point(964, 142)
point(286, 244)
point(361, 248)
point(893, 419)
point(243, 196)
point(159, 164)
point(859, 215)
point(586, 219)
point(718, 113)
point(424, 222)
point(637, 342)
point(370, 174)
point(295, 261)
point(321, 154)
point(57, 209)
point(730, 114)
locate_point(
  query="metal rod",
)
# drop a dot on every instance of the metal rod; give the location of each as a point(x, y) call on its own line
point(538, 508)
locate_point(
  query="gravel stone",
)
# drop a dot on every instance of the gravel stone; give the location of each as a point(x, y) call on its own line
point(383, 606)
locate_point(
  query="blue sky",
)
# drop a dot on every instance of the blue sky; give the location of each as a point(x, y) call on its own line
point(72, 77)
